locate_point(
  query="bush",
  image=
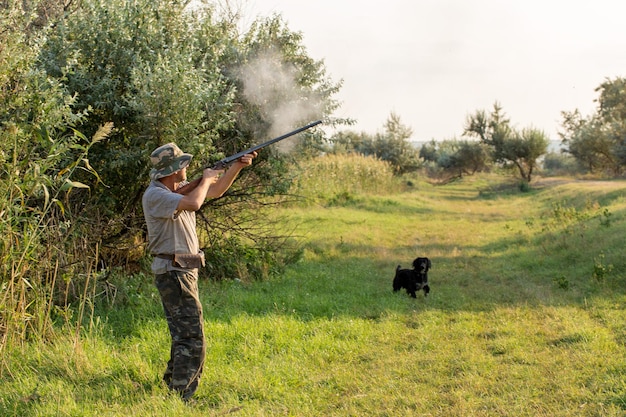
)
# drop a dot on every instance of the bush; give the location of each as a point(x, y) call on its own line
point(560, 164)
point(236, 259)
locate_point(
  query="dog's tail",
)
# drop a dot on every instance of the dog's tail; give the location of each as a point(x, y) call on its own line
point(397, 281)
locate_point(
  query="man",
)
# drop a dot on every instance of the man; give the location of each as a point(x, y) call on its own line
point(173, 242)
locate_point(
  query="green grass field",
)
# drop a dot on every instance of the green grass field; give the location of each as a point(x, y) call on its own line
point(525, 318)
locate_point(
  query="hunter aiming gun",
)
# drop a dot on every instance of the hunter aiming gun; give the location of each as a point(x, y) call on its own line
point(223, 163)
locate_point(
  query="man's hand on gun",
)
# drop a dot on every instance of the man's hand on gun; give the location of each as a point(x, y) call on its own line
point(213, 174)
point(246, 160)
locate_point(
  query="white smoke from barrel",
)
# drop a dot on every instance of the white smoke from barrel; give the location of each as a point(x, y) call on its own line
point(271, 84)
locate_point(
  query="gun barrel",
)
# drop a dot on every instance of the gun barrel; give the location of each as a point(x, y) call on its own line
point(224, 162)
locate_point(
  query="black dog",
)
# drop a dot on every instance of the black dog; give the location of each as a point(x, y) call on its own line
point(414, 279)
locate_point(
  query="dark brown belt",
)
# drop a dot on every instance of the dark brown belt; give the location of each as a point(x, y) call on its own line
point(164, 256)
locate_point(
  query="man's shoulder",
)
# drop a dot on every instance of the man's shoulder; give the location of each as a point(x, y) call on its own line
point(159, 192)
point(156, 187)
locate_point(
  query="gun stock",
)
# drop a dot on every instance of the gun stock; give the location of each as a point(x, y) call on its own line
point(223, 163)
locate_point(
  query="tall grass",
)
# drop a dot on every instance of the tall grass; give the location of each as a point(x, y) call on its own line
point(519, 321)
point(43, 250)
point(338, 177)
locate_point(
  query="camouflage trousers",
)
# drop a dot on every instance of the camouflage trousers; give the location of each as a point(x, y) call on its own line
point(183, 311)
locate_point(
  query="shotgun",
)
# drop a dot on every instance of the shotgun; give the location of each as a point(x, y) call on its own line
point(223, 163)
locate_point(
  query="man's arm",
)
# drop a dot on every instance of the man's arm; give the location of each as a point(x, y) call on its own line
point(212, 186)
point(225, 181)
point(193, 200)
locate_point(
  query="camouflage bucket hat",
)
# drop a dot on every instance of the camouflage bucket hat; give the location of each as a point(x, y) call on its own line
point(168, 159)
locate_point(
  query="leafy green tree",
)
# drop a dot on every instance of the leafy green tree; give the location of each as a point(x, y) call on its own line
point(429, 151)
point(349, 141)
point(392, 145)
point(523, 150)
point(456, 158)
point(510, 147)
point(586, 140)
point(492, 129)
point(612, 114)
point(612, 100)
point(471, 157)
point(560, 164)
point(598, 142)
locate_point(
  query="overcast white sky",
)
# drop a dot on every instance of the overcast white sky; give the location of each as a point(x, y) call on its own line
point(433, 62)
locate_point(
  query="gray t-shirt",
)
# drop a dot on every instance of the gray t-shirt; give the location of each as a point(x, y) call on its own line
point(169, 231)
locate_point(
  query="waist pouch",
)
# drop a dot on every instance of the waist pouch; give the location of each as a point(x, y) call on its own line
point(188, 260)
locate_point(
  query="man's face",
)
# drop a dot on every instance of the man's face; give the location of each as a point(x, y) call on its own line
point(181, 175)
